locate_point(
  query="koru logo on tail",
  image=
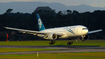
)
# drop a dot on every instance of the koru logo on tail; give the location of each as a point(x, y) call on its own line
point(40, 23)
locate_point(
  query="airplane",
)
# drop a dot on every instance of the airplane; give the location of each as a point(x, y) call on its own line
point(58, 33)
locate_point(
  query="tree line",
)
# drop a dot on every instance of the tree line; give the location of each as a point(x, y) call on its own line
point(51, 19)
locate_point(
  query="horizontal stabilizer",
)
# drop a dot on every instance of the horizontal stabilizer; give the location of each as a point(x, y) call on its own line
point(90, 32)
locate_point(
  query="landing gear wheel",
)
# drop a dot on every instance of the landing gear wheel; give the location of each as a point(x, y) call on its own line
point(70, 42)
point(52, 42)
point(82, 40)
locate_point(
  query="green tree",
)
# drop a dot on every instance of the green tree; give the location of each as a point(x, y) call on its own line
point(9, 11)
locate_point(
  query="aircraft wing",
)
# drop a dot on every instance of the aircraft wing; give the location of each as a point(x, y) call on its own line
point(32, 32)
point(22, 30)
point(90, 32)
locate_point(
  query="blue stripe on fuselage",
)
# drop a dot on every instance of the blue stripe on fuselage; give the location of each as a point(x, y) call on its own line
point(69, 30)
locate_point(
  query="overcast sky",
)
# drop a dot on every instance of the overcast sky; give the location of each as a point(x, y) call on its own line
point(94, 3)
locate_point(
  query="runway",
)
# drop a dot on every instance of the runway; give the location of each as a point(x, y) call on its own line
point(62, 49)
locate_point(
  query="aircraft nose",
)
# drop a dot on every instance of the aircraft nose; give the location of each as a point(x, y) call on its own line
point(86, 31)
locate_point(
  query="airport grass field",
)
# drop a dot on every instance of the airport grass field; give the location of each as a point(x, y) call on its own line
point(84, 55)
point(80, 55)
point(100, 43)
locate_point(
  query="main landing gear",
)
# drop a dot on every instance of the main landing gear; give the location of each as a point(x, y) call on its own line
point(70, 42)
point(52, 42)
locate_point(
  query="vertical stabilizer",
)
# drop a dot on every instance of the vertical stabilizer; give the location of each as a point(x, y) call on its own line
point(40, 24)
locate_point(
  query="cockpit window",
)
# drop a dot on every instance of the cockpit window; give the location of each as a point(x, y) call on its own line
point(84, 28)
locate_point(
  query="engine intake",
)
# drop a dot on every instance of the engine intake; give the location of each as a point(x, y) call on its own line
point(84, 37)
point(52, 36)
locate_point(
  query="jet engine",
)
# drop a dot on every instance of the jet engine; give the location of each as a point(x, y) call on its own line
point(52, 36)
point(84, 37)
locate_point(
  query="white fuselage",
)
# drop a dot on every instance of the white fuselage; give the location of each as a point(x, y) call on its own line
point(69, 31)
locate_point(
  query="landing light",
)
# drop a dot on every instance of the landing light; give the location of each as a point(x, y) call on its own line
point(24, 32)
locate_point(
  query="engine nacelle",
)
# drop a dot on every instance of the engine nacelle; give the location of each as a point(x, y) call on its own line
point(84, 37)
point(52, 36)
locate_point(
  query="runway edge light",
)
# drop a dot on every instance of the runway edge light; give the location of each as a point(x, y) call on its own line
point(7, 37)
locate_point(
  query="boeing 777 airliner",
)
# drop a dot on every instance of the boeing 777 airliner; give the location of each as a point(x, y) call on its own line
point(60, 32)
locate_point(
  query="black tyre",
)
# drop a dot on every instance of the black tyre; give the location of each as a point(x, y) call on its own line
point(69, 43)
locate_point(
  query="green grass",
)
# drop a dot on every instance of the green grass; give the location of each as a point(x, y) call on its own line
point(25, 43)
point(58, 42)
point(85, 55)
